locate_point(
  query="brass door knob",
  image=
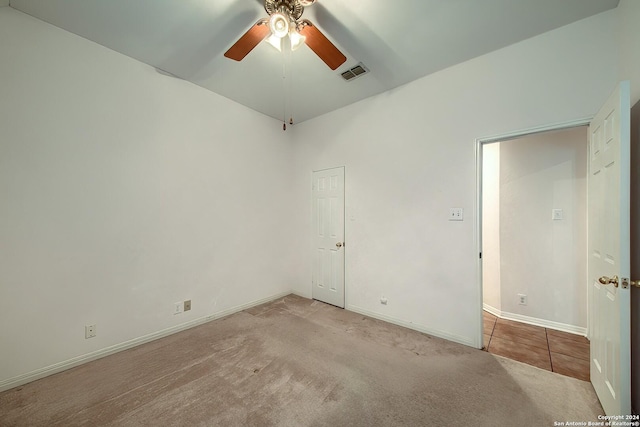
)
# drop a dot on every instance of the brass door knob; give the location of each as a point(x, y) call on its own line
point(339, 245)
point(609, 281)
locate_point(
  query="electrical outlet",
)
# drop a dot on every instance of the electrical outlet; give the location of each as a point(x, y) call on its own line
point(177, 308)
point(187, 305)
point(522, 299)
point(456, 214)
point(89, 331)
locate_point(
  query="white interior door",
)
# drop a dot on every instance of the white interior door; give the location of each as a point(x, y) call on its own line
point(609, 253)
point(328, 236)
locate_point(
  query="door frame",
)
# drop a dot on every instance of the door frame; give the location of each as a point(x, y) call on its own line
point(480, 142)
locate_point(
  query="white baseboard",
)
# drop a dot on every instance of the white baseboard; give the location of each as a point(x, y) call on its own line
point(414, 326)
point(564, 327)
point(306, 295)
point(76, 361)
point(492, 310)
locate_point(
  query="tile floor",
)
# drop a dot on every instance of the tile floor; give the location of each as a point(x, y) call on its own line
point(555, 351)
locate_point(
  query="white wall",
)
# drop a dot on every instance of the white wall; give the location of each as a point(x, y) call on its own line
point(410, 155)
point(124, 191)
point(491, 227)
point(542, 258)
point(629, 40)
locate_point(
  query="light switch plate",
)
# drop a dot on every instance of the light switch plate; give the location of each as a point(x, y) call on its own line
point(178, 307)
point(557, 214)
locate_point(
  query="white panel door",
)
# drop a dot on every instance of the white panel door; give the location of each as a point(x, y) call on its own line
point(609, 253)
point(328, 236)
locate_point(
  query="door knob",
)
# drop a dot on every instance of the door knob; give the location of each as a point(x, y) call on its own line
point(339, 245)
point(609, 280)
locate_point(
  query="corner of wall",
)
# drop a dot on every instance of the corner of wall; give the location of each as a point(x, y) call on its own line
point(628, 15)
point(150, 190)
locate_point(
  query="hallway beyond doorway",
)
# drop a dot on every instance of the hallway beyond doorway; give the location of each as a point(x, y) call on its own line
point(549, 349)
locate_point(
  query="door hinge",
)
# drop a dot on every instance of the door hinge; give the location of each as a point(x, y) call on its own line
point(480, 255)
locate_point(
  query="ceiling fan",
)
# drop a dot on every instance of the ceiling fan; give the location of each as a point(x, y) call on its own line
point(284, 20)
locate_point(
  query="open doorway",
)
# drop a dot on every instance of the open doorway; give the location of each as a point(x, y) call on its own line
point(534, 248)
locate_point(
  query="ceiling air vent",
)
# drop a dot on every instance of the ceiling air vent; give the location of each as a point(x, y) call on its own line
point(354, 72)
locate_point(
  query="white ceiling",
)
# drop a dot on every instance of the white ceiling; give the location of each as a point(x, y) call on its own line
point(398, 40)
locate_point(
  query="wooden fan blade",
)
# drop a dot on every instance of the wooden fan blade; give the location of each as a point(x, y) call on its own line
point(248, 41)
point(321, 45)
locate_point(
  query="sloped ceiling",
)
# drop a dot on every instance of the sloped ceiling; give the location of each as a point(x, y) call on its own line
point(398, 40)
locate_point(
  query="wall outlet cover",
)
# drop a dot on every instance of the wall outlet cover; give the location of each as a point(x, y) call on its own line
point(456, 214)
point(89, 331)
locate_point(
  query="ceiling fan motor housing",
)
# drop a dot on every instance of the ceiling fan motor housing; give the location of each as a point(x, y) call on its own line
point(291, 8)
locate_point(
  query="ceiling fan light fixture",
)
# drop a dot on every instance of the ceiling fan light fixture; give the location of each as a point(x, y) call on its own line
point(279, 25)
point(275, 41)
point(296, 39)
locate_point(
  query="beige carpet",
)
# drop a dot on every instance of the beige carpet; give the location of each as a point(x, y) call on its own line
point(297, 362)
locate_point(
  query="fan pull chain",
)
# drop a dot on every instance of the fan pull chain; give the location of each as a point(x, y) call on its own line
point(290, 92)
point(284, 90)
